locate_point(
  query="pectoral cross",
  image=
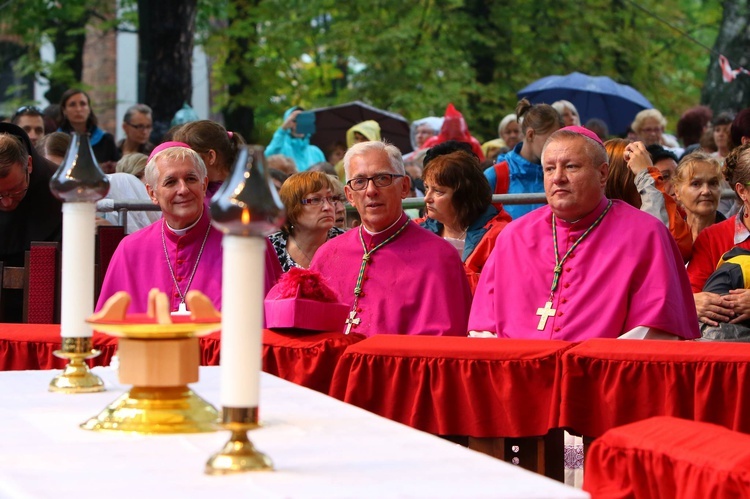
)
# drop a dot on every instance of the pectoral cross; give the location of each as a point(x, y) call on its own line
point(543, 314)
point(352, 320)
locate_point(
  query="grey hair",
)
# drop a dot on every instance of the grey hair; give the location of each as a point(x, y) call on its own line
point(362, 148)
point(137, 108)
point(594, 149)
point(173, 153)
point(507, 120)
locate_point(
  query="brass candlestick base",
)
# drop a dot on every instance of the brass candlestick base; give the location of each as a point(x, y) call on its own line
point(152, 410)
point(76, 377)
point(239, 455)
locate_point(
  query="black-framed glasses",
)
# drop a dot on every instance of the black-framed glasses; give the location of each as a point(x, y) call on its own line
point(33, 110)
point(140, 128)
point(17, 194)
point(380, 180)
point(317, 201)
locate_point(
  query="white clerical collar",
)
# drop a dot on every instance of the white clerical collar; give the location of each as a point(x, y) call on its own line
point(182, 232)
point(384, 230)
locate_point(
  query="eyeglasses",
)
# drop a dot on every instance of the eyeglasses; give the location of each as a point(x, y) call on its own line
point(318, 201)
point(17, 194)
point(380, 180)
point(650, 130)
point(140, 128)
point(27, 110)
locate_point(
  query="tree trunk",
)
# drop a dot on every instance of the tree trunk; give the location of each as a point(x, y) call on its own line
point(241, 117)
point(734, 43)
point(166, 32)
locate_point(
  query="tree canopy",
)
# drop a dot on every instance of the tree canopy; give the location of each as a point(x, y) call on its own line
point(415, 57)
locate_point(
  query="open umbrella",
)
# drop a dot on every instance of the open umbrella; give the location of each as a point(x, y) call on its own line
point(331, 124)
point(593, 96)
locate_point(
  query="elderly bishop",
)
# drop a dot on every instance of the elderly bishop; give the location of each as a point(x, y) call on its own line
point(180, 252)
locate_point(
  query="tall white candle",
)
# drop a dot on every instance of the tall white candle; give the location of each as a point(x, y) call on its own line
point(243, 274)
point(77, 289)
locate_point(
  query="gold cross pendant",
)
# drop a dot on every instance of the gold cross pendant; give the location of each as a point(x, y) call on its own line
point(543, 314)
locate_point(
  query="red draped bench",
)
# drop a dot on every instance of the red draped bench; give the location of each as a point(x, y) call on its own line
point(484, 388)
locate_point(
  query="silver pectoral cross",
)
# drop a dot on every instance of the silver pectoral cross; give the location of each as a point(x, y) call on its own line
point(543, 314)
point(352, 320)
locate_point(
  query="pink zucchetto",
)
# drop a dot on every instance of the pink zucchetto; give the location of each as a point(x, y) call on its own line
point(583, 131)
point(166, 145)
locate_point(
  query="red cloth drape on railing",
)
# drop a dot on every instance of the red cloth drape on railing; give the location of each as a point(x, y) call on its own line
point(480, 387)
point(30, 346)
point(667, 458)
point(608, 383)
point(307, 359)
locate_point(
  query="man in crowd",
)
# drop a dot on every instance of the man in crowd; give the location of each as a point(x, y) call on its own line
point(583, 266)
point(183, 250)
point(397, 277)
point(31, 120)
point(28, 210)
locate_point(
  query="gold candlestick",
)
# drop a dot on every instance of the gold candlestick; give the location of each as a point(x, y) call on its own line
point(239, 454)
point(76, 377)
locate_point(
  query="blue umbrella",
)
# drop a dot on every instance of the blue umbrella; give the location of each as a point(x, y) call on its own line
point(593, 96)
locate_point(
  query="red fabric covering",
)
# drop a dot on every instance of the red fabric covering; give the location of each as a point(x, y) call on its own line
point(480, 387)
point(669, 458)
point(30, 346)
point(296, 356)
point(608, 383)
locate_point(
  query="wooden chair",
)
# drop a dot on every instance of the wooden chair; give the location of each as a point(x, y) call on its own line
point(38, 281)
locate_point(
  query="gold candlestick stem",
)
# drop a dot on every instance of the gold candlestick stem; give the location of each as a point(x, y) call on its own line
point(76, 377)
point(239, 455)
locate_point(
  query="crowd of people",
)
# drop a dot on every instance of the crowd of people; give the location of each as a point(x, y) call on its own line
point(639, 215)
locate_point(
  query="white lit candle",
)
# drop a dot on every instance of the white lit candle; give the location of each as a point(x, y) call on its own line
point(242, 291)
point(77, 289)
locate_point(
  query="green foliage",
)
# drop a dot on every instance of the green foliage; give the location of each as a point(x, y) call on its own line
point(415, 57)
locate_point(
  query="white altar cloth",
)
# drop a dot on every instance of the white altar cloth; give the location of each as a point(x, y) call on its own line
point(320, 448)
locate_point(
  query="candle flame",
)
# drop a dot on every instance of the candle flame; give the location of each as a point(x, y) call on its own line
point(245, 216)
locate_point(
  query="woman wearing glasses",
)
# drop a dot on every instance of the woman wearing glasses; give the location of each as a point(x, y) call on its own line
point(137, 125)
point(310, 205)
point(77, 116)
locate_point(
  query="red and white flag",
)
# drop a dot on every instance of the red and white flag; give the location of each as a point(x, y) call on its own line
point(727, 73)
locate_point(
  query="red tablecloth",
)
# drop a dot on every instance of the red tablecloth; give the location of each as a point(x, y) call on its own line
point(608, 383)
point(480, 387)
point(307, 359)
point(667, 458)
point(30, 346)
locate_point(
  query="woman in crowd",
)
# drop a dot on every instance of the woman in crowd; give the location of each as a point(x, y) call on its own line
point(134, 164)
point(520, 171)
point(216, 146)
point(697, 187)
point(339, 202)
point(54, 146)
point(310, 205)
point(509, 131)
point(633, 179)
point(568, 112)
point(77, 116)
point(721, 132)
point(458, 203)
point(719, 238)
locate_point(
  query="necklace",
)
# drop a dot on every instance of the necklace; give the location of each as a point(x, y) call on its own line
point(309, 259)
point(183, 308)
point(547, 311)
point(353, 320)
